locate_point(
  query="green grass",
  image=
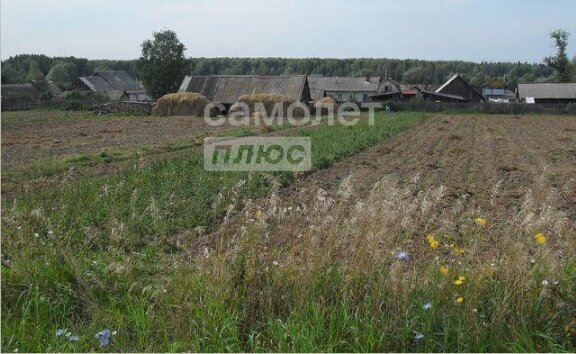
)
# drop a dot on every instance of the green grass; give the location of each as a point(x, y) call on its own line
point(120, 252)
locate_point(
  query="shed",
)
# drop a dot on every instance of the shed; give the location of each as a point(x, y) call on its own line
point(549, 92)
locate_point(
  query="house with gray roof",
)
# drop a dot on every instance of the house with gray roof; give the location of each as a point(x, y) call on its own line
point(548, 92)
point(346, 89)
point(226, 89)
point(113, 84)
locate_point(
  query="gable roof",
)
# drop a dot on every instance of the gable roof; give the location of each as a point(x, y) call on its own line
point(107, 81)
point(228, 88)
point(553, 90)
point(474, 93)
point(355, 84)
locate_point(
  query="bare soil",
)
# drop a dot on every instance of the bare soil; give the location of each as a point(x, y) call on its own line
point(38, 135)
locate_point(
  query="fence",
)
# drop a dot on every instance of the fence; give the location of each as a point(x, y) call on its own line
point(483, 107)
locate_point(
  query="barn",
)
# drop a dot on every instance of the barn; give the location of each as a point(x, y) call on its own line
point(549, 92)
point(113, 84)
point(226, 89)
point(456, 89)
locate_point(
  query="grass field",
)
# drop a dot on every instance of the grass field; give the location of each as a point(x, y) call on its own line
point(421, 233)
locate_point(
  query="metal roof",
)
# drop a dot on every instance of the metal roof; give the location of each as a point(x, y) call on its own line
point(106, 81)
point(228, 88)
point(553, 90)
point(356, 84)
point(316, 95)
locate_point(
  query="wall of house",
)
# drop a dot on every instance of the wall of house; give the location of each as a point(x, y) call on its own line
point(347, 96)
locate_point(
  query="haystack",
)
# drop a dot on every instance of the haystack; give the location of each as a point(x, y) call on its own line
point(268, 101)
point(181, 104)
point(326, 105)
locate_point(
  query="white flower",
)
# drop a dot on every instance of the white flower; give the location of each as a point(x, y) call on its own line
point(275, 263)
point(403, 256)
point(36, 235)
point(50, 233)
point(544, 282)
point(418, 336)
point(427, 306)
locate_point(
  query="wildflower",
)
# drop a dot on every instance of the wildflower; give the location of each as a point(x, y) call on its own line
point(60, 332)
point(418, 336)
point(457, 251)
point(432, 241)
point(459, 300)
point(403, 256)
point(73, 338)
point(50, 233)
point(259, 214)
point(481, 221)
point(104, 337)
point(544, 282)
point(427, 306)
point(444, 270)
point(275, 263)
point(459, 281)
point(540, 238)
point(36, 235)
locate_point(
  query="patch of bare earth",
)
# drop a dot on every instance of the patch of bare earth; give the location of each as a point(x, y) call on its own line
point(33, 136)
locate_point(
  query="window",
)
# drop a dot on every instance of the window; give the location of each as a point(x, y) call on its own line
point(339, 97)
point(365, 98)
point(386, 88)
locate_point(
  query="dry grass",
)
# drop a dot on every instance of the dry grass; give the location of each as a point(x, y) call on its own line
point(181, 104)
point(326, 105)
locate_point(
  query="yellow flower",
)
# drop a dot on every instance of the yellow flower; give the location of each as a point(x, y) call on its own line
point(459, 281)
point(540, 239)
point(481, 221)
point(457, 251)
point(444, 270)
point(460, 300)
point(259, 214)
point(432, 241)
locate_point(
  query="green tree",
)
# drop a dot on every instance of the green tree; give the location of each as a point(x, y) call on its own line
point(162, 64)
point(560, 62)
point(63, 74)
point(34, 72)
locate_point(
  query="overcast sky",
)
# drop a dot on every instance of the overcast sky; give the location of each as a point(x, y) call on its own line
point(475, 30)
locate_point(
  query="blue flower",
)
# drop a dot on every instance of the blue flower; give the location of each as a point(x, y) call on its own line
point(419, 336)
point(60, 332)
point(427, 306)
point(104, 337)
point(73, 338)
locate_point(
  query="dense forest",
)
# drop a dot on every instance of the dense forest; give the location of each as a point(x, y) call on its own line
point(62, 70)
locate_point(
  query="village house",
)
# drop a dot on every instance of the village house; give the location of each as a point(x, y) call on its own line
point(456, 89)
point(227, 89)
point(346, 89)
point(30, 92)
point(549, 92)
point(496, 90)
point(115, 85)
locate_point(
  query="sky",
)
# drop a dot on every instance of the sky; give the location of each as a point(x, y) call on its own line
point(472, 30)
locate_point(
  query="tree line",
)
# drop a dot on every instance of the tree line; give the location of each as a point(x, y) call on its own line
point(163, 57)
